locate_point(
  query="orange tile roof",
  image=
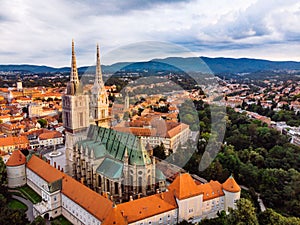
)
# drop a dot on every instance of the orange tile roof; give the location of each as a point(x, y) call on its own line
point(211, 190)
point(184, 186)
point(16, 159)
point(13, 141)
point(94, 203)
point(114, 217)
point(176, 130)
point(231, 185)
point(50, 135)
point(148, 206)
point(43, 169)
point(91, 201)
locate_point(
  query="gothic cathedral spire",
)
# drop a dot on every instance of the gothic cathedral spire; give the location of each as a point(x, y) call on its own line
point(98, 97)
point(74, 72)
point(75, 109)
point(98, 77)
point(73, 86)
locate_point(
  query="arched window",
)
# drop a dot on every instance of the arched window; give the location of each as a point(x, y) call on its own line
point(140, 184)
point(108, 185)
point(149, 182)
point(99, 181)
point(116, 188)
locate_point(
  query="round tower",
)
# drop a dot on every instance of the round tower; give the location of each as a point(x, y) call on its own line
point(16, 170)
point(232, 193)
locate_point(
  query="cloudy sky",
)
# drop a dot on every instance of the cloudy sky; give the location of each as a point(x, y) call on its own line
point(40, 32)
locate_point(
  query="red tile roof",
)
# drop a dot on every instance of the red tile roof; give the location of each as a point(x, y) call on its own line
point(148, 206)
point(16, 159)
point(50, 135)
point(231, 185)
point(211, 190)
point(43, 169)
point(114, 217)
point(91, 201)
point(184, 187)
point(13, 141)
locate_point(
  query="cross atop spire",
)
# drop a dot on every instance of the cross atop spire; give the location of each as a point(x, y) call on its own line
point(98, 78)
point(74, 72)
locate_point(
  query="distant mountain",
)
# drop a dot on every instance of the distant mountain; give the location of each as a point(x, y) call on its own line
point(245, 65)
point(27, 68)
point(228, 65)
point(196, 64)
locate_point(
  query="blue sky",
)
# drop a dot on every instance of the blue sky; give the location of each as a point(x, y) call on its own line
point(40, 32)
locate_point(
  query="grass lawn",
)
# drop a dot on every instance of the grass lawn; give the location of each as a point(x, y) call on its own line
point(15, 204)
point(62, 220)
point(30, 194)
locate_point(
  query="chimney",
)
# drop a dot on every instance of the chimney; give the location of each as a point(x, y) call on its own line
point(41, 156)
point(58, 167)
point(54, 164)
point(82, 180)
point(62, 169)
point(130, 198)
point(48, 161)
point(139, 195)
point(122, 213)
point(162, 196)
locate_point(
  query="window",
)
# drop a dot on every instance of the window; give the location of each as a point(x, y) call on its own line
point(81, 119)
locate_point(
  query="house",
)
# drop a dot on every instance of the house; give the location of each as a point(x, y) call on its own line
point(50, 138)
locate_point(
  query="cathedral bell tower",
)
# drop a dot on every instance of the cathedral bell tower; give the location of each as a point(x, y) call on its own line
point(98, 98)
point(75, 108)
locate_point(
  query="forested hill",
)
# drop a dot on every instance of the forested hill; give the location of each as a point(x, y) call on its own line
point(196, 64)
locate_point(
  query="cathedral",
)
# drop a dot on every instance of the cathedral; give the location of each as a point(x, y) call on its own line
point(110, 162)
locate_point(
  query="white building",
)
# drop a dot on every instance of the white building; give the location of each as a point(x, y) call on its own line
point(183, 200)
point(50, 138)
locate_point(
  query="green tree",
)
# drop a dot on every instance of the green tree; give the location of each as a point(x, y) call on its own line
point(244, 214)
point(43, 122)
point(270, 217)
point(160, 151)
point(38, 221)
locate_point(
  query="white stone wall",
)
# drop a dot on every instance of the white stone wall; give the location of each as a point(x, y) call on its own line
point(230, 199)
point(169, 143)
point(16, 176)
point(190, 208)
point(169, 217)
point(51, 142)
point(35, 182)
point(76, 214)
point(211, 207)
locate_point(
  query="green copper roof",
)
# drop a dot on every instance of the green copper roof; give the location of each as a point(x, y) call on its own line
point(98, 149)
point(115, 143)
point(110, 168)
point(159, 175)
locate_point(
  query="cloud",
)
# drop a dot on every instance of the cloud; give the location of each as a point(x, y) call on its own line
point(122, 7)
point(40, 32)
